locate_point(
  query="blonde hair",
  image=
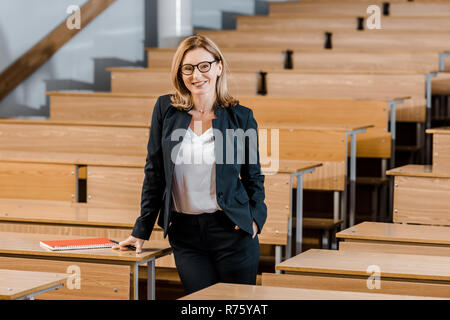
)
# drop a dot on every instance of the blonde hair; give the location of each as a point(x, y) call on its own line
point(182, 98)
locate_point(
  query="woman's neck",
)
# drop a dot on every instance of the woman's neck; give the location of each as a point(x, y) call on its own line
point(204, 102)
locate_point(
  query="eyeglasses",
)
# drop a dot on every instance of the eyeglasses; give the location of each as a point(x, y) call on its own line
point(203, 67)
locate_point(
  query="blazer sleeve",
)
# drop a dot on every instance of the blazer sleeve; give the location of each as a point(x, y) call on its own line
point(252, 178)
point(154, 182)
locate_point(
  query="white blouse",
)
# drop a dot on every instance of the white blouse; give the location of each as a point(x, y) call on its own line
point(194, 177)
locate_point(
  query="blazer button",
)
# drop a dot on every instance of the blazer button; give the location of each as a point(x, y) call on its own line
point(220, 194)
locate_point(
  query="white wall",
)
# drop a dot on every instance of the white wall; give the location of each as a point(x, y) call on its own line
point(116, 37)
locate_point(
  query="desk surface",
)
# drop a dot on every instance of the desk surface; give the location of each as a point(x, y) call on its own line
point(415, 170)
point(441, 130)
point(311, 126)
point(60, 212)
point(356, 263)
point(16, 284)
point(227, 291)
point(290, 166)
point(28, 245)
point(397, 232)
point(72, 158)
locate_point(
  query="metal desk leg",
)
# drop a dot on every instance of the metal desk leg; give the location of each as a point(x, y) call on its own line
point(352, 179)
point(277, 258)
point(442, 57)
point(151, 279)
point(32, 295)
point(288, 250)
point(299, 214)
point(299, 209)
point(336, 205)
point(427, 140)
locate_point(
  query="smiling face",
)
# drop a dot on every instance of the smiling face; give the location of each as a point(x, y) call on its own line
point(199, 83)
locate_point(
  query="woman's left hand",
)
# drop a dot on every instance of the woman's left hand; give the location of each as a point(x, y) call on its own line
point(255, 229)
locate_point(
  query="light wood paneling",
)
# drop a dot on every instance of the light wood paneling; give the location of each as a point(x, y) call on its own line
point(16, 284)
point(299, 22)
point(114, 187)
point(330, 176)
point(249, 39)
point(441, 150)
point(227, 291)
point(356, 86)
point(375, 143)
point(440, 85)
point(357, 62)
point(93, 282)
point(157, 82)
point(397, 232)
point(337, 284)
point(278, 209)
point(422, 200)
point(403, 267)
point(406, 9)
point(101, 107)
point(387, 40)
point(236, 58)
point(38, 181)
point(54, 138)
point(402, 248)
point(315, 145)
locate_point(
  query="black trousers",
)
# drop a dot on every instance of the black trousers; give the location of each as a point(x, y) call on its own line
point(208, 249)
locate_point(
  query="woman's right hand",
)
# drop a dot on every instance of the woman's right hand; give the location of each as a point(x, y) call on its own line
point(131, 241)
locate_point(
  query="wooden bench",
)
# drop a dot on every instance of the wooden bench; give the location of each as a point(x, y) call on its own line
point(405, 9)
point(356, 40)
point(101, 107)
point(25, 285)
point(298, 84)
point(421, 195)
point(157, 81)
point(113, 199)
point(72, 137)
point(374, 143)
point(229, 291)
point(441, 147)
point(350, 271)
point(237, 58)
point(311, 60)
point(330, 23)
point(396, 238)
point(40, 181)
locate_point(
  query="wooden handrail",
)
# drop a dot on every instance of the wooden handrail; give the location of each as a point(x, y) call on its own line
point(34, 58)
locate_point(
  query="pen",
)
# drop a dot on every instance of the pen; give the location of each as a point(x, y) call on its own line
point(129, 246)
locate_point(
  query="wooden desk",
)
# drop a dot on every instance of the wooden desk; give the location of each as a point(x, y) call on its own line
point(228, 291)
point(103, 273)
point(350, 131)
point(421, 194)
point(441, 147)
point(25, 285)
point(396, 238)
point(296, 168)
point(417, 272)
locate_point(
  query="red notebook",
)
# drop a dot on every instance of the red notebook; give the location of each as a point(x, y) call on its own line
point(76, 244)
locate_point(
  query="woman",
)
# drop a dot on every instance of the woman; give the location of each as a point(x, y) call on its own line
point(208, 189)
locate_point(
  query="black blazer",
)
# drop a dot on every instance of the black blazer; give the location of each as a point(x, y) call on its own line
point(239, 184)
